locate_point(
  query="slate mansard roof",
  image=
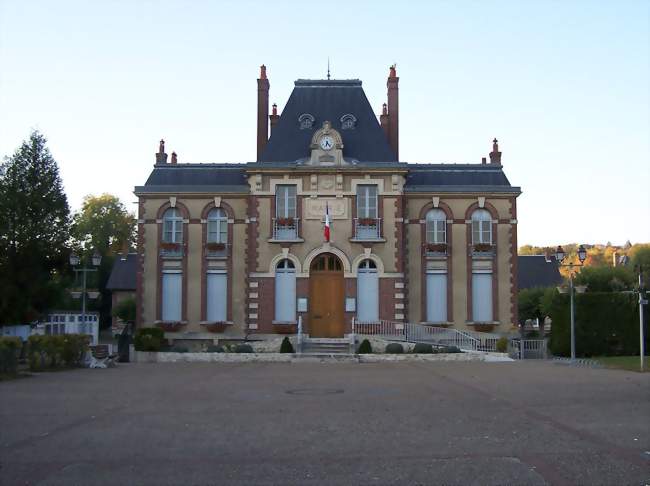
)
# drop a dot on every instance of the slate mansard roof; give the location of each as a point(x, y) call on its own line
point(535, 271)
point(123, 274)
point(328, 100)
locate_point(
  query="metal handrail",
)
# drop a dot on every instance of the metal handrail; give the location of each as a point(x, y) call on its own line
point(285, 231)
point(367, 231)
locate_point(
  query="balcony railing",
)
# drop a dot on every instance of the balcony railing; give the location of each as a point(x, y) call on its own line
point(435, 250)
point(216, 250)
point(285, 228)
point(483, 250)
point(367, 228)
point(171, 250)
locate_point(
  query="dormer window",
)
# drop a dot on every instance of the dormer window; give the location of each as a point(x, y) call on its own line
point(306, 121)
point(348, 122)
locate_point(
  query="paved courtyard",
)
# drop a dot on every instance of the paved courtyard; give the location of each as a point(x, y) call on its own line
point(529, 423)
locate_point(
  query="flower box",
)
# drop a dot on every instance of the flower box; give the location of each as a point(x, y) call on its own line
point(436, 247)
point(285, 328)
point(170, 326)
point(483, 247)
point(285, 221)
point(215, 326)
point(367, 221)
point(215, 246)
point(170, 246)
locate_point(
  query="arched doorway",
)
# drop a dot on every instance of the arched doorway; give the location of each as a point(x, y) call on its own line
point(326, 297)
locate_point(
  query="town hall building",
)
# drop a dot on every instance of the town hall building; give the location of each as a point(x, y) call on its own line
point(239, 250)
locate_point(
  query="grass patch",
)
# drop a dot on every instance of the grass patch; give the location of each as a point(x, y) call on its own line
point(631, 363)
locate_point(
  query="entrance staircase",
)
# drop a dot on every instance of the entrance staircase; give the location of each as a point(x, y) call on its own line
point(327, 346)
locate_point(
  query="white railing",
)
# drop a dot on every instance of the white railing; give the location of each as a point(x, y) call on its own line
point(406, 331)
point(528, 349)
point(285, 228)
point(367, 228)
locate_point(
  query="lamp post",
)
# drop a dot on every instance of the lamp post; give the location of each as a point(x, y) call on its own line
point(582, 256)
point(642, 302)
point(96, 260)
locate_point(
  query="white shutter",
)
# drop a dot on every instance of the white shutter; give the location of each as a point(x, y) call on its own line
point(482, 297)
point(285, 295)
point(217, 297)
point(172, 297)
point(367, 296)
point(437, 297)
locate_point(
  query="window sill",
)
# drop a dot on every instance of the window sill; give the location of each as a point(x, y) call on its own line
point(485, 323)
point(436, 256)
point(288, 240)
point(368, 240)
point(437, 324)
point(216, 257)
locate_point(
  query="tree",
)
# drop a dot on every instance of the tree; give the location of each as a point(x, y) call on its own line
point(103, 224)
point(34, 231)
point(125, 310)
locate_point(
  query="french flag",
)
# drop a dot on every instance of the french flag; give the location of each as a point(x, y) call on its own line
point(327, 222)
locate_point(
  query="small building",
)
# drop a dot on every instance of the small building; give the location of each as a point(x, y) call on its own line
point(537, 271)
point(122, 284)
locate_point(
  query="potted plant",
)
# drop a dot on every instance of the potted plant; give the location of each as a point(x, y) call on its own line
point(170, 246)
point(285, 221)
point(437, 247)
point(170, 326)
point(218, 326)
point(482, 247)
point(215, 246)
point(367, 221)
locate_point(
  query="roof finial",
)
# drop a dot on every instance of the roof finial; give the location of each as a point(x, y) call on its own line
point(393, 71)
point(495, 155)
point(495, 145)
point(328, 68)
point(161, 147)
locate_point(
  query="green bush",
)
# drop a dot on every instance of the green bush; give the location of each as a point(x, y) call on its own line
point(148, 339)
point(394, 348)
point(244, 348)
point(365, 347)
point(215, 348)
point(607, 324)
point(63, 350)
point(9, 351)
point(450, 349)
point(286, 346)
point(422, 348)
point(502, 344)
point(179, 349)
point(125, 310)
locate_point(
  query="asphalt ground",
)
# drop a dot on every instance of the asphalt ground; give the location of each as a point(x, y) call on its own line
point(521, 423)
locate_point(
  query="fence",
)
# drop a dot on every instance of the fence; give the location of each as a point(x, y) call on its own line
point(528, 349)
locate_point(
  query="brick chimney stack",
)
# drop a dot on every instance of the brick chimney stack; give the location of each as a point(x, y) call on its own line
point(495, 155)
point(393, 110)
point(274, 117)
point(262, 111)
point(384, 121)
point(174, 158)
point(161, 156)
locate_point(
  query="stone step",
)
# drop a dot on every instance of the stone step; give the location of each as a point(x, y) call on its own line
point(326, 348)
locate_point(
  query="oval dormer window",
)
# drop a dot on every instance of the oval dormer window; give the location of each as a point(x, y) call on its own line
point(348, 122)
point(306, 121)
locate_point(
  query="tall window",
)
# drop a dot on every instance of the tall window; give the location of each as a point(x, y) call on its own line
point(172, 226)
point(367, 201)
point(217, 226)
point(436, 296)
point(482, 297)
point(217, 296)
point(436, 222)
point(367, 292)
point(172, 297)
point(285, 291)
point(481, 227)
point(285, 201)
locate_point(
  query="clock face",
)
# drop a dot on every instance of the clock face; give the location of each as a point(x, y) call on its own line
point(326, 142)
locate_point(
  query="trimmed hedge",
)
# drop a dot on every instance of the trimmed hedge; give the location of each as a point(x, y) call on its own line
point(148, 339)
point(10, 348)
point(286, 346)
point(394, 348)
point(244, 348)
point(365, 347)
point(607, 324)
point(422, 348)
point(212, 348)
point(62, 350)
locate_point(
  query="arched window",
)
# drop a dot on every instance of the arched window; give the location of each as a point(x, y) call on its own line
point(436, 222)
point(367, 292)
point(306, 121)
point(481, 227)
point(285, 291)
point(172, 226)
point(217, 226)
point(348, 121)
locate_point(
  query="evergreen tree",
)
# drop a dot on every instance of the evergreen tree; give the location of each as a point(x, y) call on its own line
point(34, 231)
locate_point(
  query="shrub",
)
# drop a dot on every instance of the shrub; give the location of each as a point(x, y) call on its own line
point(502, 344)
point(148, 339)
point(179, 349)
point(286, 346)
point(394, 348)
point(450, 349)
point(125, 310)
point(56, 351)
point(365, 347)
point(422, 348)
point(244, 348)
point(9, 350)
point(212, 348)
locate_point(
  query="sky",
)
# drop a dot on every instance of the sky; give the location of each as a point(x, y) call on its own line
point(563, 85)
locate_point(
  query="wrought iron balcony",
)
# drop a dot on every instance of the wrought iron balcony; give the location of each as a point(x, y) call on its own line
point(435, 250)
point(367, 228)
point(285, 228)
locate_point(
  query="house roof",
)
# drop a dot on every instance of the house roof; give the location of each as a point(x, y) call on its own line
point(457, 177)
point(219, 178)
point(328, 100)
point(535, 271)
point(123, 274)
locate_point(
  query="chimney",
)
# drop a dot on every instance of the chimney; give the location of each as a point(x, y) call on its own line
point(393, 110)
point(262, 111)
point(274, 117)
point(495, 155)
point(161, 156)
point(384, 121)
point(483, 160)
point(174, 158)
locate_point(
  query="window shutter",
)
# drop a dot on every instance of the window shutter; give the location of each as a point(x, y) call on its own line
point(172, 297)
point(482, 297)
point(285, 295)
point(367, 295)
point(217, 297)
point(437, 297)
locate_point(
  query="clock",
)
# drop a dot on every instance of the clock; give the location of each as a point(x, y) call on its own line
point(326, 142)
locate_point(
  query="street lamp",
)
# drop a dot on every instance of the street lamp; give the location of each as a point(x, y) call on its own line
point(582, 256)
point(96, 260)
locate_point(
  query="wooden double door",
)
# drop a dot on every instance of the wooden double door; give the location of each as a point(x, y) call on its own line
point(326, 297)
